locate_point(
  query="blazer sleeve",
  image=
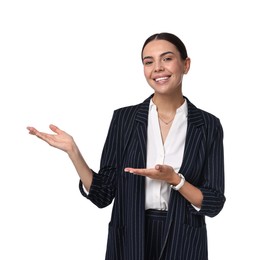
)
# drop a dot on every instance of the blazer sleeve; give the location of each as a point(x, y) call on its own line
point(213, 183)
point(103, 188)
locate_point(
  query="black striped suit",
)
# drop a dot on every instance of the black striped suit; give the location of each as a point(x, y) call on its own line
point(185, 236)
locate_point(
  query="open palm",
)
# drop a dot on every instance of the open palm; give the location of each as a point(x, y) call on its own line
point(60, 139)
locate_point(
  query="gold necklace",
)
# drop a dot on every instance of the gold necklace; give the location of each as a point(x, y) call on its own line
point(166, 123)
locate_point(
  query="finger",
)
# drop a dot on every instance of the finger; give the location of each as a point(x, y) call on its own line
point(32, 130)
point(163, 167)
point(135, 170)
point(131, 170)
point(158, 167)
point(41, 135)
point(55, 129)
point(140, 171)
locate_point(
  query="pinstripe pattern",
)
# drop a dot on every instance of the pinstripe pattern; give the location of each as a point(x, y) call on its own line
point(155, 224)
point(185, 236)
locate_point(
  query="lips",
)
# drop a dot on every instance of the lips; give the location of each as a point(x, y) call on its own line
point(161, 79)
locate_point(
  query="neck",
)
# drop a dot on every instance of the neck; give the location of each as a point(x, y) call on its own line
point(167, 105)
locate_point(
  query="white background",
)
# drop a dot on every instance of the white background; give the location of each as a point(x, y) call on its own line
point(72, 63)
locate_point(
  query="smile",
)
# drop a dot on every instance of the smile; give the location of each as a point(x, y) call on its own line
point(161, 79)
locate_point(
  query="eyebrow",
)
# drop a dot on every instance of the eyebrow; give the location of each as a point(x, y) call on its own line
point(161, 55)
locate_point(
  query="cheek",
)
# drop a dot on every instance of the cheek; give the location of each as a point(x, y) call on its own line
point(147, 73)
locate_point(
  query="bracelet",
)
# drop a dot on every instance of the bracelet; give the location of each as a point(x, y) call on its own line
point(181, 183)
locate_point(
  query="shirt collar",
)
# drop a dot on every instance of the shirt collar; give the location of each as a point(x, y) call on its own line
point(182, 109)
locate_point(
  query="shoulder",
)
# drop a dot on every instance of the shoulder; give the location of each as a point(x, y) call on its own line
point(207, 122)
point(209, 117)
point(132, 111)
point(196, 113)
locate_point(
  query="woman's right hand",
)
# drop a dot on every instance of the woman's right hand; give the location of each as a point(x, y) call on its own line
point(60, 140)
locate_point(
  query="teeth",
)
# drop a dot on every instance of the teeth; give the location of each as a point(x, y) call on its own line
point(164, 78)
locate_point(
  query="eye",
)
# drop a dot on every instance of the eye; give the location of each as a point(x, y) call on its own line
point(167, 58)
point(147, 62)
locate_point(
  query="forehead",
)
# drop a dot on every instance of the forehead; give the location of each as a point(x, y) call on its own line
point(156, 47)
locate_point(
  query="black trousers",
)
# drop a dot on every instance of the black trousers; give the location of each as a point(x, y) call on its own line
point(154, 228)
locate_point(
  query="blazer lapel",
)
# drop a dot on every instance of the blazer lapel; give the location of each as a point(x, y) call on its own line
point(142, 113)
point(139, 121)
point(193, 137)
point(141, 128)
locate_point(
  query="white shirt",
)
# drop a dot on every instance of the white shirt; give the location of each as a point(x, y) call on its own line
point(169, 153)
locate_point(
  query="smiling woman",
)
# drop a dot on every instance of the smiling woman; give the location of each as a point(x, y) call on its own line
point(162, 165)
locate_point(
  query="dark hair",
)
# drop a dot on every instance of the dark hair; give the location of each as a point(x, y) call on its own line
point(170, 38)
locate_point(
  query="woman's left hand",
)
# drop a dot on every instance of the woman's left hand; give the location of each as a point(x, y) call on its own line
point(160, 172)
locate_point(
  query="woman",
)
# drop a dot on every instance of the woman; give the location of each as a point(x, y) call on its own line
point(162, 164)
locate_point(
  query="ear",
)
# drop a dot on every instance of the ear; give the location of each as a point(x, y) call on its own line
point(187, 65)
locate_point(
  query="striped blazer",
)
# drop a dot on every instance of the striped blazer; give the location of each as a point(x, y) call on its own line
point(185, 236)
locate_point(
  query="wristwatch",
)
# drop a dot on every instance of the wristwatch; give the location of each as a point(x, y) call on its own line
point(181, 183)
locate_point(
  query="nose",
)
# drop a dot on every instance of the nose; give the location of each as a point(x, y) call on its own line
point(158, 66)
